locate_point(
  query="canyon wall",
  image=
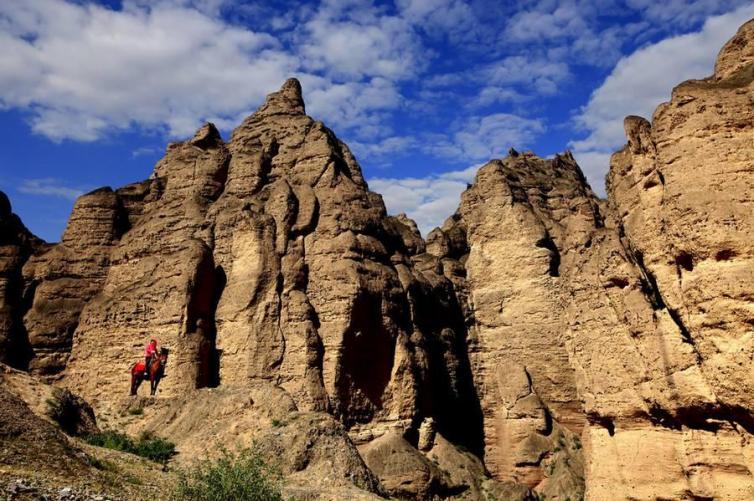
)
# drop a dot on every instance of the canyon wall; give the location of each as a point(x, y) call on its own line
point(541, 339)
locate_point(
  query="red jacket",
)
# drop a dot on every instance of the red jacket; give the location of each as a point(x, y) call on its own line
point(150, 350)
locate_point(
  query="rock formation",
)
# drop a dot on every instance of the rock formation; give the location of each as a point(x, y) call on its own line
point(681, 193)
point(68, 275)
point(16, 245)
point(542, 340)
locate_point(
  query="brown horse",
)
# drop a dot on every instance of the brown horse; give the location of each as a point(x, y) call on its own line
point(155, 373)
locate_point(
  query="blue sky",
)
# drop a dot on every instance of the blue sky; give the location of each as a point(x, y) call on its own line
point(424, 91)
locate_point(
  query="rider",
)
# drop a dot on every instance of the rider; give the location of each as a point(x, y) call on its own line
point(149, 352)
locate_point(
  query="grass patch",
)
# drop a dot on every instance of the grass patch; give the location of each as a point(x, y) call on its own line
point(276, 423)
point(102, 464)
point(135, 411)
point(243, 475)
point(147, 445)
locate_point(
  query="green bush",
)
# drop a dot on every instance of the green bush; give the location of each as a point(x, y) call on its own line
point(155, 448)
point(243, 476)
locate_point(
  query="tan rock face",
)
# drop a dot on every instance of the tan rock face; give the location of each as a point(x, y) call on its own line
point(573, 346)
point(16, 246)
point(521, 224)
point(266, 259)
point(681, 192)
point(70, 274)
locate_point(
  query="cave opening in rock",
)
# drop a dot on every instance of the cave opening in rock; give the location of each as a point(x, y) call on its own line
point(202, 334)
point(366, 361)
point(546, 242)
point(725, 255)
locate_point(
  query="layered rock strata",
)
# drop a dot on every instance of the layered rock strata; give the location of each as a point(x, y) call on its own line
point(16, 246)
point(571, 345)
point(264, 259)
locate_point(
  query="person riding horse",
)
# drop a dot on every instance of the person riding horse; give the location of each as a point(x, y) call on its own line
point(153, 370)
point(149, 352)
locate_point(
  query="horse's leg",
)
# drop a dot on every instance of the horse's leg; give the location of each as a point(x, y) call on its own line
point(136, 380)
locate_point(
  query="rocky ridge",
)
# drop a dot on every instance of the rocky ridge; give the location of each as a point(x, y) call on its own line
point(541, 341)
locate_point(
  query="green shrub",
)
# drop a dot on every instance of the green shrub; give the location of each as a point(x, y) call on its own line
point(149, 446)
point(157, 449)
point(102, 464)
point(110, 439)
point(243, 476)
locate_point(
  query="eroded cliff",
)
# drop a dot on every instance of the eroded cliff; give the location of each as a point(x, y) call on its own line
point(541, 339)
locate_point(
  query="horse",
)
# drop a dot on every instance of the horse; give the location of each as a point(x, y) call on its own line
point(155, 373)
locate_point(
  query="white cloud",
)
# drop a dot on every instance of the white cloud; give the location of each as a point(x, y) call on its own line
point(492, 95)
point(351, 40)
point(485, 137)
point(49, 187)
point(428, 200)
point(547, 20)
point(641, 81)
point(540, 73)
point(384, 148)
point(683, 12)
point(441, 18)
point(145, 151)
point(351, 105)
point(84, 69)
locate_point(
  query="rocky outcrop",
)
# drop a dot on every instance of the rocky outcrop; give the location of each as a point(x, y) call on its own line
point(69, 275)
point(681, 194)
point(161, 280)
point(404, 471)
point(318, 459)
point(542, 342)
point(41, 457)
point(265, 260)
point(269, 259)
point(16, 245)
point(519, 233)
point(59, 406)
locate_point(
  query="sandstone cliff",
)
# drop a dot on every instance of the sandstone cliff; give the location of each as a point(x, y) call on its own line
point(16, 245)
point(541, 339)
point(262, 263)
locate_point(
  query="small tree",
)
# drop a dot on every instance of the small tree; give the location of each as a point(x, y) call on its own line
point(242, 476)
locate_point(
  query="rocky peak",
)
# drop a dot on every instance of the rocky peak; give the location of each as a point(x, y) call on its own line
point(288, 100)
point(737, 54)
point(207, 137)
point(17, 244)
point(638, 132)
point(5, 208)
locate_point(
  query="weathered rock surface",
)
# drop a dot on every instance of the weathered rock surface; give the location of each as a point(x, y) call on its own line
point(16, 245)
point(266, 259)
point(265, 262)
point(59, 406)
point(519, 232)
point(403, 471)
point(681, 192)
point(542, 342)
point(70, 274)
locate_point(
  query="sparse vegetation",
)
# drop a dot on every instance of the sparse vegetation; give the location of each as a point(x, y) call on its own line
point(66, 410)
point(244, 475)
point(102, 464)
point(147, 445)
point(276, 423)
point(135, 411)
